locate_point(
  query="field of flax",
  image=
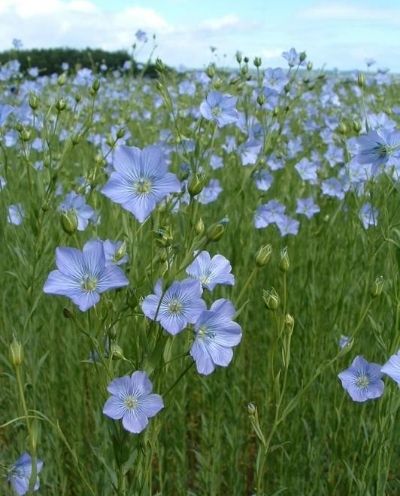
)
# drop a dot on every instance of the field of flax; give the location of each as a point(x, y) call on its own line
point(200, 290)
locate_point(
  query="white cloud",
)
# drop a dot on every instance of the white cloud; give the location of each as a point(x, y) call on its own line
point(338, 11)
point(228, 21)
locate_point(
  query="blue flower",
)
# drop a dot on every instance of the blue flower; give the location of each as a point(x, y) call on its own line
point(211, 271)
point(216, 335)
point(376, 147)
point(5, 111)
point(368, 215)
point(178, 306)
point(83, 275)
point(76, 204)
point(219, 108)
point(362, 380)
point(307, 207)
point(132, 401)
point(210, 192)
point(140, 180)
point(293, 58)
point(392, 367)
point(20, 474)
point(16, 214)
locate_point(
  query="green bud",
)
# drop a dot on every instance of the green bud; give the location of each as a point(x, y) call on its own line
point(160, 66)
point(252, 409)
point(121, 252)
point(246, 60)
point(61, 104)
point(196, 185)
point(33, 101)
point(309, 66)
point(210, 71)
point(302, 56)
point(257, 61)
point(361, 80)
point(239, 57)
point(284, 263)
point(289, 323)
point(356, 126)
point(16, 353)
point(271, 299)
point(286, 88)
point(377, 287)
point(116, 352)
point(69, 222)
point(25, 135)
point(78, 98)
point(261, 100)
point(121, 132)
point(342, 128)
point(199, 227)
point(164, 236)
point(263, 255)
point(215, 232)
point(96, 85)
point(61, 79)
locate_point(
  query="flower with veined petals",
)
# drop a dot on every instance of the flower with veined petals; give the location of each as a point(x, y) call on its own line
point(20, 474)
point(177, 307)
point(140, 180)
point(84, 275)
point(362, 380)
point(132, 401)
point(211, 271)
point(216, 335)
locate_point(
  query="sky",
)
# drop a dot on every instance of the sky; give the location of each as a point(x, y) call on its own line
point(335, 34)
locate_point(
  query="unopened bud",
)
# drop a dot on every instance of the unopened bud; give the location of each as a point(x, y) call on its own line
point(116, 352)
point(210, 71)
point(16, 352)
point(199, 227)
point(196, 185)
point(25, 135)
point(61, 104)
point(257, 61)
point(302, 56)
point(263, 255)
point(377, 287)
point(215, 232)
point(261, 99)
point(121, 133)
point(239, 57)
point(33, 101)
point(61, 79)
point(121, 252)
point(69, 222)
point(246, 60)
point(271, 299)
point(309, 66)
point(252, 409)
point(284, 263)
point(289, 322)
point(356, 126)
point(96, 85)
point(67, 313)
point(342, 128)
point(361, 80)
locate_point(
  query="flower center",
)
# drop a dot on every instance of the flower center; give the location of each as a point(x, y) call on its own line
point(143, 186)
point(130, 402)
point(89, 283)
point(216, 111)
point(175, 306)
point(362, 381)
point(205, 279)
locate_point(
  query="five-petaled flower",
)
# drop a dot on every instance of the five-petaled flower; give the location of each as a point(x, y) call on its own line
point(140, 180)
point(219, 108)
point(20, 474)
point(175, 307)
point(132, 401)
point(84, 275)
point(362, 380)
point(216, 335)
point(211, 271)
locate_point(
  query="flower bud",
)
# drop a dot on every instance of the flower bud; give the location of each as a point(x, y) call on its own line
point(342, 128)
point(377, 287)
point(61, 79)
point(215, 232)
point(239, 57)
point(60, 105)
point(196, 185)
point(69, 222)
point(96, 85)
point(246, 60)
point(361, 80)
point(68, 314)
point(252, 409)
point(309, 66)
point(356, 126)
point(289, 323)
point(199, 227)
point(263, 255)
point(302, 56)
point(257, 61)
point(121, 132)
point(271, 299)
point(16, 353)
point(210, 71)
point(261, 99)
point(121, 252)
point(25, 135)
point(116, 352)
point(284, 263)
point(33, 101)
